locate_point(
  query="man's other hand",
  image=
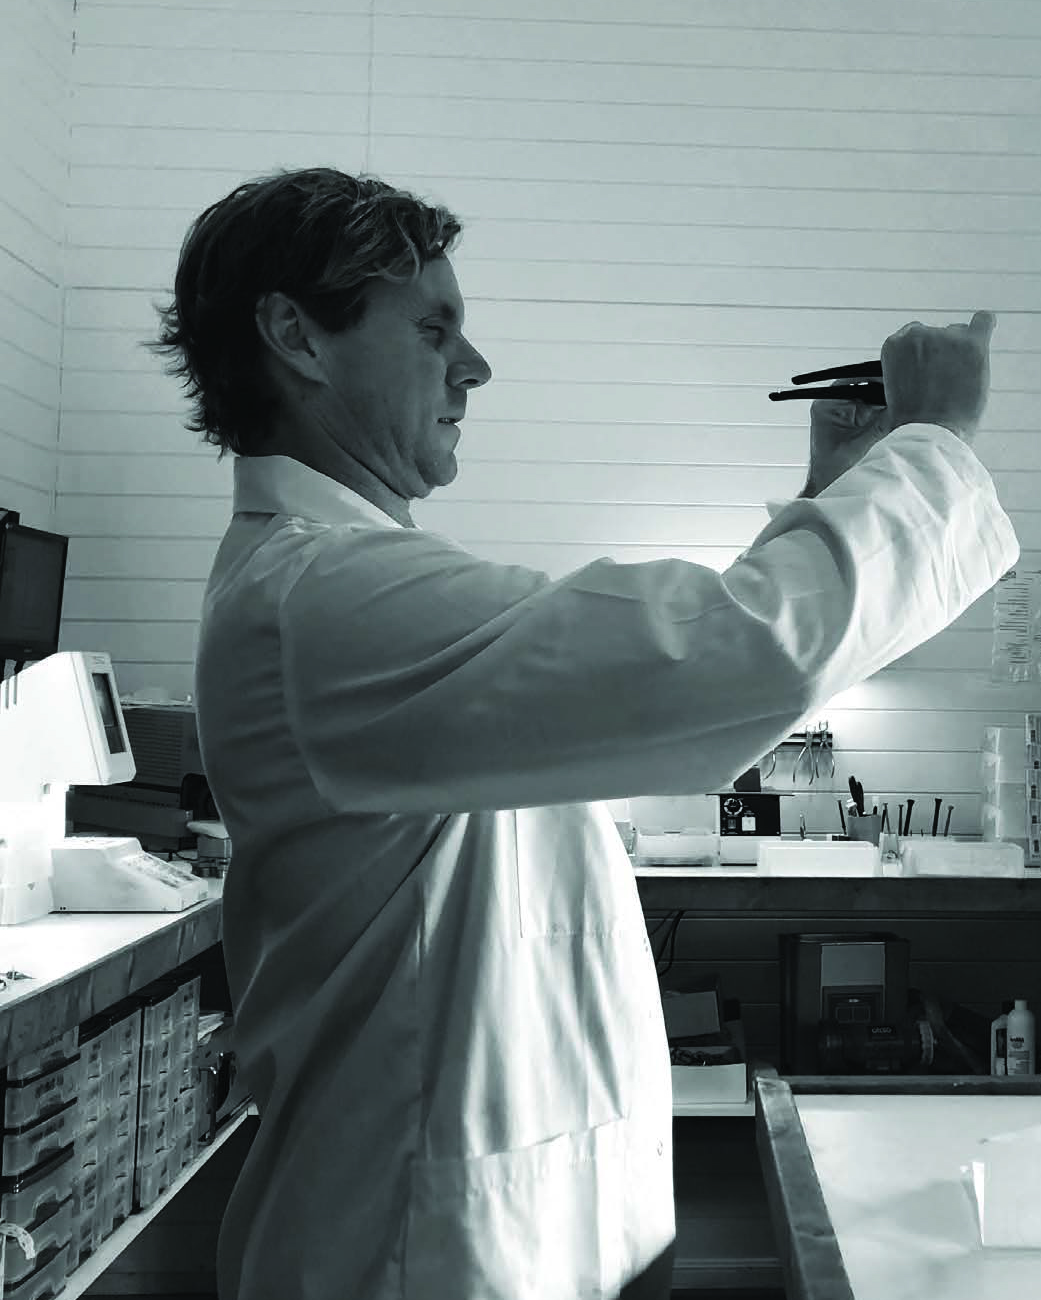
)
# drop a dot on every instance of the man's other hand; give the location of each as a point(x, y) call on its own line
point(841, 432)
point(939, 375)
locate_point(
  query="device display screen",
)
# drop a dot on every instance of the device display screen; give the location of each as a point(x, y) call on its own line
point(107, 709)
point(31, 589)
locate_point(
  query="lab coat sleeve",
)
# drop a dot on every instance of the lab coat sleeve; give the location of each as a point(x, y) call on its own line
point(420, 678)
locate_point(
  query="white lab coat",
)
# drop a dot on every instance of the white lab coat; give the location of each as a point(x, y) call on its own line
point(446, 1004)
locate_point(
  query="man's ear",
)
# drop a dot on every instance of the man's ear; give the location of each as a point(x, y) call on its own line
point(288, 333)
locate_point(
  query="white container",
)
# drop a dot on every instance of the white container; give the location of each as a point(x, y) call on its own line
point(1020, 1039)
point(819, 858)
point(941, 856)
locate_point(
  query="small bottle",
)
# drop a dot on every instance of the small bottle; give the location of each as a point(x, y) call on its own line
point(998, 1039)
point(1020, 1039)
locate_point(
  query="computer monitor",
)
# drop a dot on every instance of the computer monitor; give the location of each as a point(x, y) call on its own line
point(32, 584)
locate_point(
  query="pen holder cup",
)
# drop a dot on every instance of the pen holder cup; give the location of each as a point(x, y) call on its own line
point(865, 828)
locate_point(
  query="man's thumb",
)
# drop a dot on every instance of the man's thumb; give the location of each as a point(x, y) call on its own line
point(983, 323)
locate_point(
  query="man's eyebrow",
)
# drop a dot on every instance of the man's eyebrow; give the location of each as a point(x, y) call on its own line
point(446, 311)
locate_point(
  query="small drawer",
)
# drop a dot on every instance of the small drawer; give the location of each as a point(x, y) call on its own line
point(27, 1103)
point(35, 1197)
point(23, 1151)
point(48, 1238)
point(46, 1282)
point(58, 1052)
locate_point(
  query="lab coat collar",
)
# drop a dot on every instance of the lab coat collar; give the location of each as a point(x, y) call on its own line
point(280, 485)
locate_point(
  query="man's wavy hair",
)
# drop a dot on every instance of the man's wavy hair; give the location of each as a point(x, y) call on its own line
point(318, 236)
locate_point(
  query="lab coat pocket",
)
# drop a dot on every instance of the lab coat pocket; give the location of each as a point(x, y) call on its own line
point(544, 1222)
point(573, 875)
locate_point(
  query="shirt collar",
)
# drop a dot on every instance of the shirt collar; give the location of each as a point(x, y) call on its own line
point(280, 485)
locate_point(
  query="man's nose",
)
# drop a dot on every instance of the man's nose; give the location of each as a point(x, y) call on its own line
point(472, 367)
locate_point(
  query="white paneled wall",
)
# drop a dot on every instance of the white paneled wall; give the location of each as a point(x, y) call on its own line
point(670, 207)
point(35, 70)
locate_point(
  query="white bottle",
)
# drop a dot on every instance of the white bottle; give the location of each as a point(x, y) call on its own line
point(1020, 1039)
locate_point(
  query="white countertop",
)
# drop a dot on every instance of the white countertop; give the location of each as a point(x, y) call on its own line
point(889, 1168)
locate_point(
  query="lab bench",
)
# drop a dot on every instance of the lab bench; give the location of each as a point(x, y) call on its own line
point(82, 964)
point(973, 939)
point(866, 1184)
point(78, 965)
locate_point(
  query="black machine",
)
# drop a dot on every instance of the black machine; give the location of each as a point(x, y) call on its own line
point(32, 585)
point(844, 1004)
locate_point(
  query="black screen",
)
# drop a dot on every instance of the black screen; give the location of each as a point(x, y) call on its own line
point(107, 707)
point(32, 580)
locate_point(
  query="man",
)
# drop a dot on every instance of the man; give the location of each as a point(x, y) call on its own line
point(446, 1005)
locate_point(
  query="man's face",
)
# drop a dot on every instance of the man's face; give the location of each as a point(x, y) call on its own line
point(391, 380)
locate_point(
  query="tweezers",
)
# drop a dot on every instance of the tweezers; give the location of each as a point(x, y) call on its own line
point(866, 391)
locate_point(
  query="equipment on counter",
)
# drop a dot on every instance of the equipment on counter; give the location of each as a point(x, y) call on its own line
point(863, 387)
point(840, 980)
point(61, 722)
point(169, 790)
point(32, 584)
point(847, 1008)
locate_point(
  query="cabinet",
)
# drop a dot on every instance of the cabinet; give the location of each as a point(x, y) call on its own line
point(77, 965)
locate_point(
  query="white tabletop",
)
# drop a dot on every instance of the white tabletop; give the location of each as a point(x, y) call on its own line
point(889, 1170)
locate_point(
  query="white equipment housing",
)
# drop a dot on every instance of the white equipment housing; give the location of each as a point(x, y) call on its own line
point(61, 724)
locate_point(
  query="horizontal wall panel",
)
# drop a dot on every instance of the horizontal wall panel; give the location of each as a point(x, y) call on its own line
point(166, 559)
point(134, 65)
point(850, 90)
point(214, 149)
point(923, 17)
point(287, 31)
point(129, 517)
point(216, 107)
point(706, 127)
point(128, 600)
point(680, 163)
point(651, 43)
point(146, 641)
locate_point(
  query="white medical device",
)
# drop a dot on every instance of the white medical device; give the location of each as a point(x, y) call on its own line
point(61, 724)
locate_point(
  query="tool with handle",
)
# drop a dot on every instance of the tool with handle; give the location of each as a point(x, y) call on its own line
point(865, 385)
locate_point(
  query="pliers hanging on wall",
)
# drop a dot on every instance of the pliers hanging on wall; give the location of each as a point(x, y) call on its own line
point(862, 388)
point(819, 733)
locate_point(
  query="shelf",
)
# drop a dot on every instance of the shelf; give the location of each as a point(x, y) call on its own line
point(682, 1109)
point(112, 1247)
